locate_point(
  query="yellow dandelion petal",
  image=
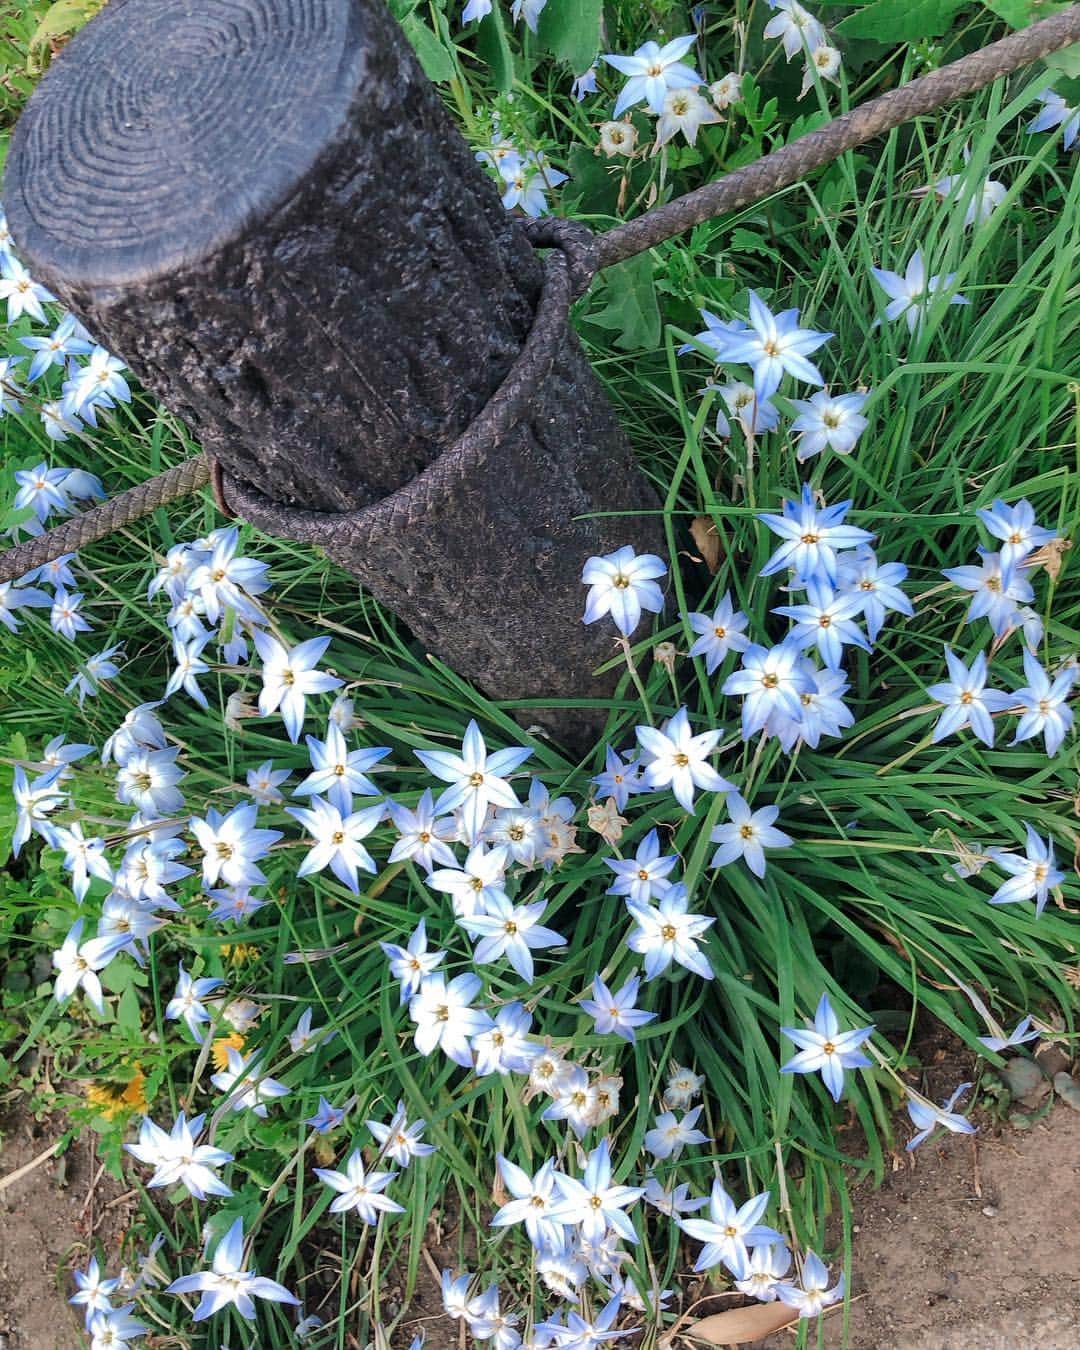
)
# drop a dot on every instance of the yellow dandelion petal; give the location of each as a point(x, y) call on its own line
point(220, 1052)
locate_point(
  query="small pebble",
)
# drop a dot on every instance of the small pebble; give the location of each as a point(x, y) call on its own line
point(990, 1211)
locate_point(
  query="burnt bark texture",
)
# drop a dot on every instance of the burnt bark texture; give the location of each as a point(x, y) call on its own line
point(264, 208)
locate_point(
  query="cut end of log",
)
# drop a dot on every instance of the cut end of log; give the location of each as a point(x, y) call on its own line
point(167, 126)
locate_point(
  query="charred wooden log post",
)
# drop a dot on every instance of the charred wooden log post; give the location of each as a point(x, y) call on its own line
point(264, 208)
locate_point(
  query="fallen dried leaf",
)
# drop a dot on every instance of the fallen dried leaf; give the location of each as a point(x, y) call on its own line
point(739, 1326)
point(703, 532)
point(1051, 556)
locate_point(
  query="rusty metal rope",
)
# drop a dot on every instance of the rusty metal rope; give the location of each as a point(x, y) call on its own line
point(89, 526)
point(567, 275)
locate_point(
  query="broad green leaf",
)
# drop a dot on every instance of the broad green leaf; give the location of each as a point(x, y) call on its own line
point(1068, 62)
point(631, 308)
point(1019, 13)
point(127, 1010)
point(570, 30)
point(433, 56)
point(900, 20)
point(746, 241)
point(591, 186)
point(494, 50)
point(66, 16)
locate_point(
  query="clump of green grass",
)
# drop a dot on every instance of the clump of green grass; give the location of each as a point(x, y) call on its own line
point(979, 403)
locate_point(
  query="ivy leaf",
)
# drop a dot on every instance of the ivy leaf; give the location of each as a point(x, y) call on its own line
point(570, 31)
point(631, 309)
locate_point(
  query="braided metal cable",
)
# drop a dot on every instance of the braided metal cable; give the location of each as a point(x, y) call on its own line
point(569, 271)
point(89, 526)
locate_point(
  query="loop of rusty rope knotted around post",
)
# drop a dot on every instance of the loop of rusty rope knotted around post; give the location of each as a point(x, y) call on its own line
point(568, 269)
point(580, 248)
point(577, 254)
point(478, 449)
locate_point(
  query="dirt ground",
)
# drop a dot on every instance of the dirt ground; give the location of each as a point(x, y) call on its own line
point(48, 1218)
point(977, 1247)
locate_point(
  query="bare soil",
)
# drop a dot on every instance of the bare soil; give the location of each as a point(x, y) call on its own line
point(971, 1244)
point(976, 1246)
point(50, 1220)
